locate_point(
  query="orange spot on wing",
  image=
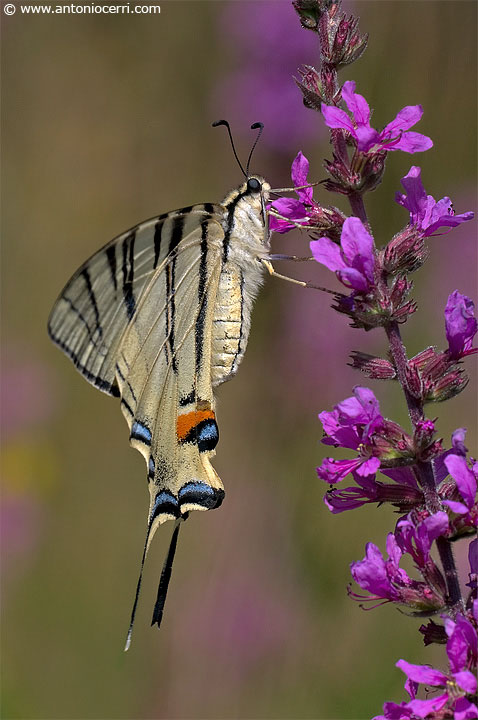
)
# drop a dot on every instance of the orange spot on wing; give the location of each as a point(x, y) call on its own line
point(190, 420)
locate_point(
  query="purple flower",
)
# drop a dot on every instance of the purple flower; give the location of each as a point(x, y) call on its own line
point(289, 207)
point(404, 494)
point(457, 448)
point(426, 214)
point(460, 325)
point(417, 538)
point(462, 644)
point(459, 684)
point(352, 424)
point(393, 137)
point(466, 482)
point(304, 212)
point(385, 581)
point(354, 261)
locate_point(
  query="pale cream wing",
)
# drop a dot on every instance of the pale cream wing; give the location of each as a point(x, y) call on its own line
point(91, 314)
point(163, 374)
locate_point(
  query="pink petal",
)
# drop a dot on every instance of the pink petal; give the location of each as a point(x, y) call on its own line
point(353, 279)
point(463, 476)
point(367, 138)
point(413, 142)
point(356, 104)
point(358, 245)
point(369, 467)
point(405, 119)
point(336, 118)
point(422, 708)
point(327, 253)
point(299, 173)
point(456, 507)
point(465, 710)
point(423, 673)
point(466, 680)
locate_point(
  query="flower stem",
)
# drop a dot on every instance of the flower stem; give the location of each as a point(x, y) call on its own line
point(424, 470)
point(358, 206)
point(445, 550)
point(415, 407)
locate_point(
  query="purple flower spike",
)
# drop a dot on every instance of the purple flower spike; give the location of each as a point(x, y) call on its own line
point(460, 325)
point(426, 214)
point(393, 137)
point(354, 261)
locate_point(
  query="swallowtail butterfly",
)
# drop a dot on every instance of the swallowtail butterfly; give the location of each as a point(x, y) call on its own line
point(158, 318)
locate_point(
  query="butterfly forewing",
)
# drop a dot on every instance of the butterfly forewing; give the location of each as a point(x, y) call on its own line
point(91, 314)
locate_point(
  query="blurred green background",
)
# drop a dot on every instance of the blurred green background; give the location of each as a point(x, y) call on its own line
point(106, 121)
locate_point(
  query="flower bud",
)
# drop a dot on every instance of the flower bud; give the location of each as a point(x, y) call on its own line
point(317, 87)
point(452, 382)
point(345, 42)
point(406, 252)
point(310, 12)
point(425, 447)
point(392, 443)
point(414, 381)
point(374, 367)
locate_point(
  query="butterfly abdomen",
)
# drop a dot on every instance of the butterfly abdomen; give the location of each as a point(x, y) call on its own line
point(245, 243)
point(232, 320)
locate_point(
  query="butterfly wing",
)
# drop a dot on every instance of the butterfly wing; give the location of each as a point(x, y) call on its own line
point(118, 320)
point(96, 306)
point(164, 377)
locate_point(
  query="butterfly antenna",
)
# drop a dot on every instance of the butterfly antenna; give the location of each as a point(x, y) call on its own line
point(138, 588)
point(226, 124)
point(254, 126)
point(166, 575)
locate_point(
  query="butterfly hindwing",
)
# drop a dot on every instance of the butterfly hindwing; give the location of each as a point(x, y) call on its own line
point(164, 376)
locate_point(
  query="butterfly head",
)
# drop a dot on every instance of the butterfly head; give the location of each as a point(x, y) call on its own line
point(248, 205)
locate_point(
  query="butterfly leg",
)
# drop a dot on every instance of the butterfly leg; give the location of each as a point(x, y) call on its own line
point(270, 269)
point(295, 223)
point(294, 258)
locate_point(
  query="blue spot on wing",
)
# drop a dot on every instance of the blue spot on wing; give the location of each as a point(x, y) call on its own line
point(141, 432)
point(151, 467)
point(207, 436)
point(200, 493)
point(165, 503)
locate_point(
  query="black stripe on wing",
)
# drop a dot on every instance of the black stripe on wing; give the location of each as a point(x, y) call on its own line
point(128, 273)
point(99, 382)
point(176, 237)
point(202, 295)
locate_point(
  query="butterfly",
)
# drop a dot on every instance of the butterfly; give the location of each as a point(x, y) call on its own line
point(159, 317)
